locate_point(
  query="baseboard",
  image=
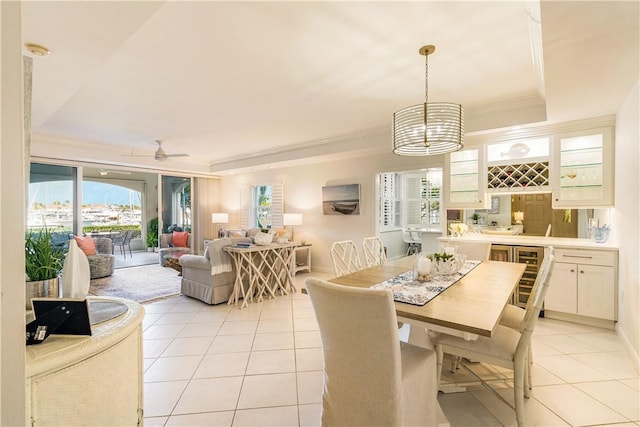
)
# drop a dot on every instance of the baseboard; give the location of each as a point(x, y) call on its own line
point(583, 320)
point(629, 348)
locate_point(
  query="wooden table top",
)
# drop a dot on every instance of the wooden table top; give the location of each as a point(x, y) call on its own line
point(474, 304)
point(258, 248)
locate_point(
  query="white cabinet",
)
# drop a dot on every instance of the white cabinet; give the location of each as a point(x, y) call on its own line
point(584, 282)
point(466, 179)
point(583, 169)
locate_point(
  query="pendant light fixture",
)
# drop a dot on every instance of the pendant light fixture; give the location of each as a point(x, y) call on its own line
point(430, 128)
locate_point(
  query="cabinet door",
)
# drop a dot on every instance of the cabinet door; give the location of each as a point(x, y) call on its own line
point(465, 179)
point(582, 172)
point(596, 291)
point(562, 294)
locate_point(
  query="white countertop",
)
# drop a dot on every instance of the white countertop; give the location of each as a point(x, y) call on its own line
point(558, 242)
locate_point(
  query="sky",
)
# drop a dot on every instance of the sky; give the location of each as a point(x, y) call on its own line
point(93, 193)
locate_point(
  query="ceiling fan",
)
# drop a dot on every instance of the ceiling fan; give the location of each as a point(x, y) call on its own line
point(160, 154)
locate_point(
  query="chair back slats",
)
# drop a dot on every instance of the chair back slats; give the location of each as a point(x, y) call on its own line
point(344, 257)
point(536, 299)
point(373, 250)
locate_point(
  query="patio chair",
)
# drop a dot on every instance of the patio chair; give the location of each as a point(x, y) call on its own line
point(124, 241)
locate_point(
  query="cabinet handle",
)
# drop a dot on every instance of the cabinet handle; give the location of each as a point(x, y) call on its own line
point(572, 271)
point(577, 256)
point(582, 271)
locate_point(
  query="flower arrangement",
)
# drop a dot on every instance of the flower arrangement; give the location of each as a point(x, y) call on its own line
point(458, 228)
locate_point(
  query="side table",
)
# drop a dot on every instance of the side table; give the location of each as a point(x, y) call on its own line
point(301, 259)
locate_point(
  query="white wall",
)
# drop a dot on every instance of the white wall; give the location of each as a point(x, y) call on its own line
point(12, 218)
point(303, 193)
point(625, 217)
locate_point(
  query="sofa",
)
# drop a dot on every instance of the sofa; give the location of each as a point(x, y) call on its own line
point(171, 247)
point(103, 262)
point(209, 277)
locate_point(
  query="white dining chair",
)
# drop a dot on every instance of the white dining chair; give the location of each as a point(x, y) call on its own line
point(374, 252)
point(412, 238)
point(345, 258)
point(371, 378)
point(506, 348)
point(513, 315)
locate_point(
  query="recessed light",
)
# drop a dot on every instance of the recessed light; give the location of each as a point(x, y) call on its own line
point(37, 49)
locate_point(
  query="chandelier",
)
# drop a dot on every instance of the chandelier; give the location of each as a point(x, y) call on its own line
point(430, 128)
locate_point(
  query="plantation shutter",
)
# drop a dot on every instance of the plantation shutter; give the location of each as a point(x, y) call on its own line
point(387, 190)
point(413, 198)
point(277, 205)
point(247, 209)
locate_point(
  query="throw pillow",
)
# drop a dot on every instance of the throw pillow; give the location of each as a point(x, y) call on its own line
point(86, 244)
point(179, 239)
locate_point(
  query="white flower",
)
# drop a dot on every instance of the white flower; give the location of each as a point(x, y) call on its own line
point(458, 228)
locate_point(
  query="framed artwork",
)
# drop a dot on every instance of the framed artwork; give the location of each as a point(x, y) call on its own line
point(341, 199)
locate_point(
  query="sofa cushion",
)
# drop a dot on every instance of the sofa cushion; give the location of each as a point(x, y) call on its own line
point(234, 234)
point(86, 244)
point(180, 238)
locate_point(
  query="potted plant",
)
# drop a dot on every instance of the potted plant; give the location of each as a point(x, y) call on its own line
point(152, 234)
point(43, 264)
point(475, 217)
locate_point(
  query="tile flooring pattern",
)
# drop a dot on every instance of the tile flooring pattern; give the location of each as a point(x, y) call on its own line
point(222, 366)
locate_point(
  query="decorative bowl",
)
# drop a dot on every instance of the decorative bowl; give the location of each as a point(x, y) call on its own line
point(448, 266)
point(263, 239)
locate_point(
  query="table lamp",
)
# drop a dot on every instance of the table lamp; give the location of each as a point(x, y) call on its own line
point(220, 218)
point(292, 219)
point(518, 217)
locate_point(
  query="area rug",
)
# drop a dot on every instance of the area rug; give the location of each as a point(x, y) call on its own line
point(140, 284)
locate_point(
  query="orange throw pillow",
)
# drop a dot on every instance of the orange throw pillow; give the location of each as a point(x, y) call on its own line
point(179, 239)
point(86, 244)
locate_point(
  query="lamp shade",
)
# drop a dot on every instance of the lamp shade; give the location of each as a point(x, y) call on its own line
point(292, 219)
point(428, 129)
point(220, 218)
point(518, 216)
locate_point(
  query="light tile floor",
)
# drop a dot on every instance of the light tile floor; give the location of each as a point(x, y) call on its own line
point(262, 366)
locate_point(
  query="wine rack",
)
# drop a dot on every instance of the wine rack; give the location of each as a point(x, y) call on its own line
point(521, 176)
point(532, 257)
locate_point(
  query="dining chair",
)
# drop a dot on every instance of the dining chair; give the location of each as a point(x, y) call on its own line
point(507, 347)
point(370, 377)
point(344, 257)
point(412, 238)
point(513, 315)
point(374, 251)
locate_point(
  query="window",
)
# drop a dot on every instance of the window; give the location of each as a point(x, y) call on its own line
point(423, 195)
point(262, 197)
point(389, 203)
point(267, 206)
point(51, 200)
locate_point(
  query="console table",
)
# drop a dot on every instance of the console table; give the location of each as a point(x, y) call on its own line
point(89, 380)
point(266, 268)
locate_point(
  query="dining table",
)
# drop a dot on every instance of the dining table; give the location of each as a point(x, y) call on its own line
point(471, 307)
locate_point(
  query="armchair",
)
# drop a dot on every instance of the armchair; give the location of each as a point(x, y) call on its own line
point(103, 262)
point(170, 247)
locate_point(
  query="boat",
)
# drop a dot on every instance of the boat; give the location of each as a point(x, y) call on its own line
point(345, 208)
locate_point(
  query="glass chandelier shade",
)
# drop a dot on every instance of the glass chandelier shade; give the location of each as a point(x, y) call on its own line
point(430, 128)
